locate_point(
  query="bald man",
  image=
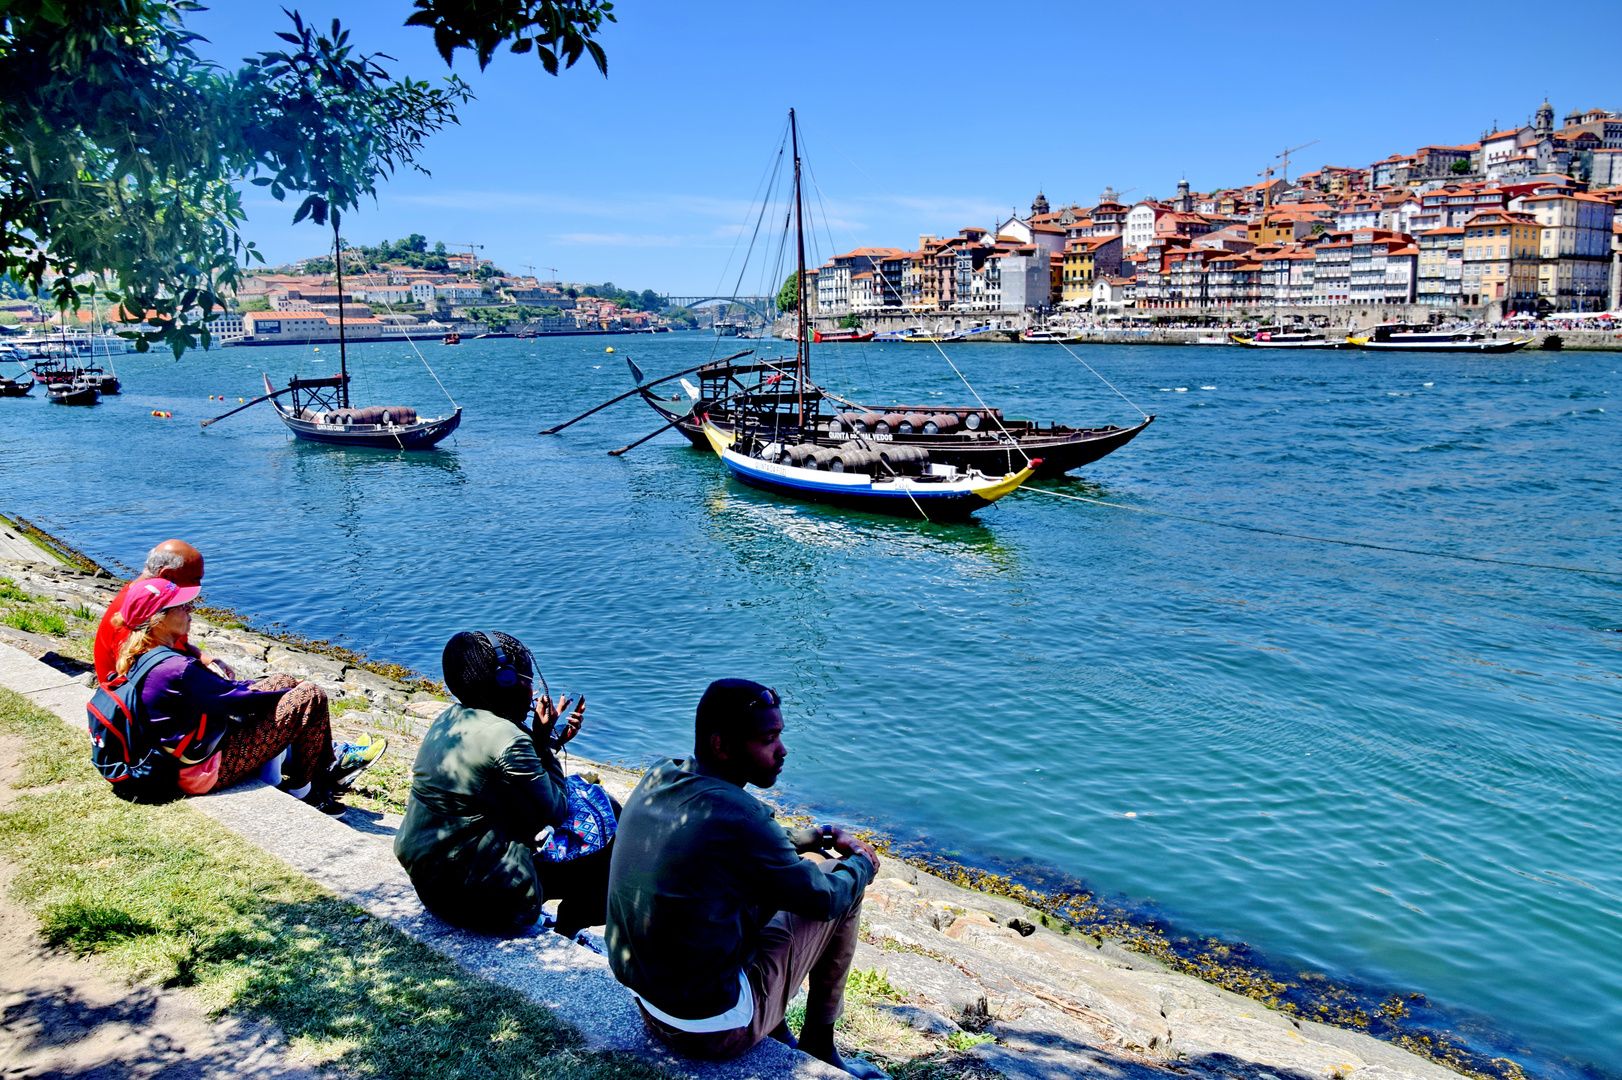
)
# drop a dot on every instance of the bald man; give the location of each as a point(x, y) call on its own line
point(172, 560)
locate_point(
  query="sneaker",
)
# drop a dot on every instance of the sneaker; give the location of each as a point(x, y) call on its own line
point(352, 759)
point(326, 802)
point(586, 940)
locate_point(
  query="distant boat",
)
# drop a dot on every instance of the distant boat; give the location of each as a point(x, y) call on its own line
point(835, 336)
point(1273, 339)
point(1403, 337)
point(1047, 337)
point(453, 338)
point(75, 391)
point(10, 387)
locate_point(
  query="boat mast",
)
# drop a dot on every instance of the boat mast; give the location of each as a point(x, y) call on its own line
point(343, 351)
point(802, 348)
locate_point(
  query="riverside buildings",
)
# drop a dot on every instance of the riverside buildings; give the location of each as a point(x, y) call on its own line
point(1425, 228)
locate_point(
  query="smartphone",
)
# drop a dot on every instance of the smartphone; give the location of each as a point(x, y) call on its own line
point(563, 715)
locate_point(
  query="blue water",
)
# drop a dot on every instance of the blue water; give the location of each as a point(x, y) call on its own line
point(1395, 769)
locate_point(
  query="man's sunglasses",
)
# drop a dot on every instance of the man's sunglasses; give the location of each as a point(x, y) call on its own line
point(766, 699)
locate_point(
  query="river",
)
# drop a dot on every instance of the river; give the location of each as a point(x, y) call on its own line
point(1396, 769)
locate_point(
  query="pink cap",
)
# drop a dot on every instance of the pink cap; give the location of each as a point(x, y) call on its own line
point(149, 596)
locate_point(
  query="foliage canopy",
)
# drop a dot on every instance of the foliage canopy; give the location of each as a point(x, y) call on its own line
point(121, 148)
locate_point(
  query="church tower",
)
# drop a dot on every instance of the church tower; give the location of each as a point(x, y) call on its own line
point(1184, 202)
point(1544, 124)
point(1040, 206)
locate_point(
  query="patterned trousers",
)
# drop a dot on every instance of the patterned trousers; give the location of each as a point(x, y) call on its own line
point(299, 721)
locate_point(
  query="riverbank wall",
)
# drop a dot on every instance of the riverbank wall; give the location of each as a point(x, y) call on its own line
point(1061, 986)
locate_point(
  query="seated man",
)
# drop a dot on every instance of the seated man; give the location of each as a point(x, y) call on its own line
point(714, 919)
point(172, 560)
point(484, 789)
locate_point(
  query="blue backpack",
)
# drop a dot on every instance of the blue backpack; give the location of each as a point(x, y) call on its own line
point(121, 749)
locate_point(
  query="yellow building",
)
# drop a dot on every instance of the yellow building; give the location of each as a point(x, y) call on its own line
point(1086, 258)
point(1501, 259)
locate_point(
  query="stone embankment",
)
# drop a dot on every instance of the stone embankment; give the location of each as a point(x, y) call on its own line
point(968, 983)
point(1006, 326)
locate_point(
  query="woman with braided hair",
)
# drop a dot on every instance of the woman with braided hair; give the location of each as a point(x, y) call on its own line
point(488, 794)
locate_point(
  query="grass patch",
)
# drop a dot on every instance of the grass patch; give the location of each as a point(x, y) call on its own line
point(37, 622)
point(9, 591)
point(164, 895)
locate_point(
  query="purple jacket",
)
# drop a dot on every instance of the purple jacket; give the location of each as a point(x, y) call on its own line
point(187, 706)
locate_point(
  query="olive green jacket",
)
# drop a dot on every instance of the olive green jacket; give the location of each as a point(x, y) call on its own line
point(480, 792)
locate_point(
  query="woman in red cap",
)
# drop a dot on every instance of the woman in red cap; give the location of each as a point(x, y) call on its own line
point(224, 731)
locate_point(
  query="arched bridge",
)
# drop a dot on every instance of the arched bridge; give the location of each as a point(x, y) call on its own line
point(764, 306)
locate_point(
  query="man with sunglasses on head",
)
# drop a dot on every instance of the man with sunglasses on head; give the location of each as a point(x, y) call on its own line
point(714, 919)
point(485, 788)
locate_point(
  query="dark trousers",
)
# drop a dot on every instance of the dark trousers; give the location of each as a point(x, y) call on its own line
point(501, 889)
point(791, 949)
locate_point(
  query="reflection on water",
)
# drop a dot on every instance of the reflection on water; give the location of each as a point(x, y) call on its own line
point(1360, 762)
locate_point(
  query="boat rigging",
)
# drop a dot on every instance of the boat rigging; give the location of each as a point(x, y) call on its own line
point(756, 396)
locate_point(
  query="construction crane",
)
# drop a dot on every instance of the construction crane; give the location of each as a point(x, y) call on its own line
point(472, 259)
point(1287, 153)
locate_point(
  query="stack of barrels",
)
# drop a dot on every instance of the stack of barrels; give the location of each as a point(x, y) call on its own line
point(880, 462)
point(376, 414)
point(908, 423)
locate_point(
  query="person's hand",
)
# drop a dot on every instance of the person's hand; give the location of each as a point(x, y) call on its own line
point(559, 721)
point(220, 667)
point(848, 844)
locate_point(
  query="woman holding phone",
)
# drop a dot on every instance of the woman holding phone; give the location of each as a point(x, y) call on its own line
point(490, 807)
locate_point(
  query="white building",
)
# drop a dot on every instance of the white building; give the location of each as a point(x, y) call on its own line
point(226, 328)
point(1140, 224)
point(422, 292)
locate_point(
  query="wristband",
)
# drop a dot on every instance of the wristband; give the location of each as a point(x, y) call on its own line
point(827, 835)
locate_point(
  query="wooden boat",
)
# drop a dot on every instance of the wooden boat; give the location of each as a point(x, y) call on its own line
point(835, 336)
point(75, 391)
point(1273, 339)
point(917, 488)
point(1402, 337)
point(319, 412)
point(104, 381)
point(10, 387)
point(993, 446)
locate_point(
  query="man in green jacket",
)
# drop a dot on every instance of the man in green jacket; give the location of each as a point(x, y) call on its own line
point(714, 919)
point(483, 787)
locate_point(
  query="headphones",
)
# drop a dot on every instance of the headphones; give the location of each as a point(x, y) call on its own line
point(506, 674)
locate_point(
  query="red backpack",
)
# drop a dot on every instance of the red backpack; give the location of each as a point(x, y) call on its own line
point(120, 747)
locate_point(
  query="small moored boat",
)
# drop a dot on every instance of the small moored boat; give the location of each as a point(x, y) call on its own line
point(834, 336)
point(75, 391)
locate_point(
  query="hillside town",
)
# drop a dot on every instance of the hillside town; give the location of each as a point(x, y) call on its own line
point(396, 301)
point(1524, 220)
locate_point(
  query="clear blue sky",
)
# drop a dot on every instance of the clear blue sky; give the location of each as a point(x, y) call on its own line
point(917, 117)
